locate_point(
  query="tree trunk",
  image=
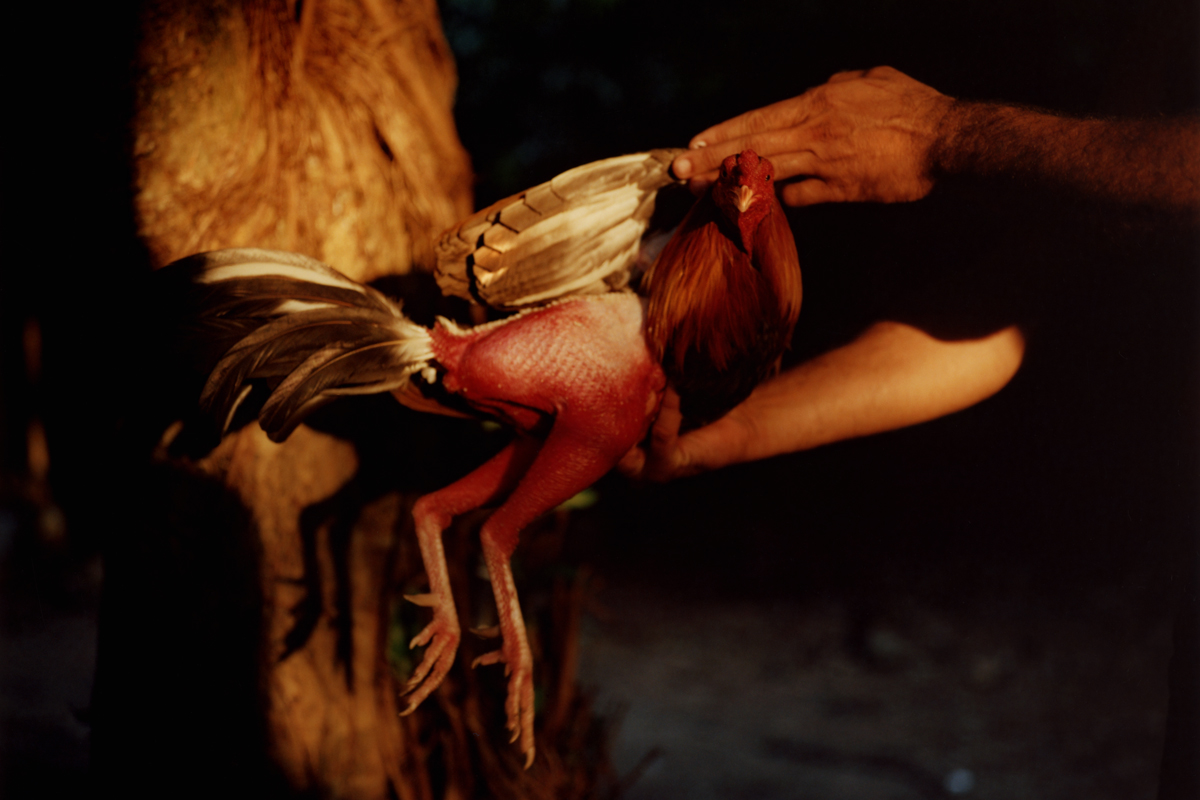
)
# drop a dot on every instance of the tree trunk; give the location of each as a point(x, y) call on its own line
point(251, 620)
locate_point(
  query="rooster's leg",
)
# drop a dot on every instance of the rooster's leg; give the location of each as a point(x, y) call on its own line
point(514, 653)
point(566, 464)
point(432, 515)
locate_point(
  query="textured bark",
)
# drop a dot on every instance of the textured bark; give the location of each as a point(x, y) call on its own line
point(325, 130)
point(331, 135)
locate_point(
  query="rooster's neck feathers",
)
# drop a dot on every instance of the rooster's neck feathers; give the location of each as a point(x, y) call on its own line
point(708, 293)
point(725, 293)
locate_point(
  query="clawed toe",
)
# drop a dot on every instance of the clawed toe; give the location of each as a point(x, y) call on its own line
point(494, 657)
point(442, 637)
point(520, 713)
point(518, 706)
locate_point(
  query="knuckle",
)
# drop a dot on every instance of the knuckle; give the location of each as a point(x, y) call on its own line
point(823, 132)
point(756, 120)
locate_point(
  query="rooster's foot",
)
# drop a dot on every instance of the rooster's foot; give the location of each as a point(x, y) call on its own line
point(442, 635)
point(518, 666)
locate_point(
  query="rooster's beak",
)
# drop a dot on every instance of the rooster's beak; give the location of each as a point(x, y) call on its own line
point(743, 197)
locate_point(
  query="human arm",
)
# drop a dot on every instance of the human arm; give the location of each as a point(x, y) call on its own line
point(892, 376)
point(882, 136)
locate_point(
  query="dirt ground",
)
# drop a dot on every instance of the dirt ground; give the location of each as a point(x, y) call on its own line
point(48, 614)
point(716, 695)
point(725, 698)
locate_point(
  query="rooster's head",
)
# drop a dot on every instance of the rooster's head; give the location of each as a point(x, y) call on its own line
point(745, 193)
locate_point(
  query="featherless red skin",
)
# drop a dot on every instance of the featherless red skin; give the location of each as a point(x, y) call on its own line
point(580, 368)
point(725, 292)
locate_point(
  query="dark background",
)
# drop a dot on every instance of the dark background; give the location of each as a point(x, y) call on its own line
point(1078, 479)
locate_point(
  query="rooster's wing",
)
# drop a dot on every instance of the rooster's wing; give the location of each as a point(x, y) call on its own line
point(578, 233)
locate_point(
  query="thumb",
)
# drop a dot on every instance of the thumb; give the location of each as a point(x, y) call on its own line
point(632, 463)
point(666, 427)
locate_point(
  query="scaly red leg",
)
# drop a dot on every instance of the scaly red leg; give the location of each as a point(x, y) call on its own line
point(514, 651)
point(432, 515)
point(567, 463)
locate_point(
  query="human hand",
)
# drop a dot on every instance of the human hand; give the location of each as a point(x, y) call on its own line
point(863, 136)
point(671, 456)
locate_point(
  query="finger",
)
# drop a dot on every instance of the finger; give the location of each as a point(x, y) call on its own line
point(666, 426)
point(883, 72)
point(803, 163)
point(701, 161)
point(847, 75)
point(777, 115)
point(632, 463)
point(808, 192)
point(767, 143)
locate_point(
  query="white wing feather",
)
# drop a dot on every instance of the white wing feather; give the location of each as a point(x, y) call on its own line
point(578, 233)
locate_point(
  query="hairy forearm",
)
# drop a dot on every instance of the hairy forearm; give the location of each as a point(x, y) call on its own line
point(1154, 162)
point(892, 376)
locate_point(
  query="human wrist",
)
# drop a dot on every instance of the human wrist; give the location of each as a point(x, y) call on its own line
point(986, 139)
point(958, 132)
point(719, 444)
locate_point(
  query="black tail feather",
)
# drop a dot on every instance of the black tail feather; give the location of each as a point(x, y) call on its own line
point(310, 332)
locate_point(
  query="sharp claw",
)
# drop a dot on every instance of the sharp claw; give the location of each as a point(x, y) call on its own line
point(427, 600)
point(442, 636)
point(422, 638)
point(494, 657)
point(427, 664)
point(490, 632)
point(527, 727)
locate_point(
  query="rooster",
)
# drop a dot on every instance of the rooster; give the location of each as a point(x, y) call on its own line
point(577, 370)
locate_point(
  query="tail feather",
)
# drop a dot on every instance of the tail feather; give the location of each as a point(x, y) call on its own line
point(339, 370)
point(310, 332)
point(277, 347)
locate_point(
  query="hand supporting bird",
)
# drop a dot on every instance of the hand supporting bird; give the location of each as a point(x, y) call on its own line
point(891, 376)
